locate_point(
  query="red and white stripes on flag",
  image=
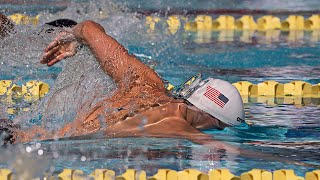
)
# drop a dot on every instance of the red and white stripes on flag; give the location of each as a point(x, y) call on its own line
point(216, 96)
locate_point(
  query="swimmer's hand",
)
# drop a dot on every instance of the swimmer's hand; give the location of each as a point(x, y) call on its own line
point(63, 46)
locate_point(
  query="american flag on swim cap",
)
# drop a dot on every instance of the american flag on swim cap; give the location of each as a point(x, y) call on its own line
point(216, 96)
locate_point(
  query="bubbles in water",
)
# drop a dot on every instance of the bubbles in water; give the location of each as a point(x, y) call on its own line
point(40, 152)
point(83, 158)
point(28, 149)
point(55, 155)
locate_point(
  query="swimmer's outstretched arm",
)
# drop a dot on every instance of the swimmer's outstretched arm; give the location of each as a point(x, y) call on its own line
point(112, 56)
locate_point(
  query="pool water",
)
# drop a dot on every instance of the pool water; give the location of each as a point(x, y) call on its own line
point(281, 130)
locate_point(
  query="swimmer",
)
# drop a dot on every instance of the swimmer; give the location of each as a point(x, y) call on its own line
point(141, 105)
point(6, 26)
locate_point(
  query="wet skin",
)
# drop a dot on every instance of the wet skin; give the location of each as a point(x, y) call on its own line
point(139, 107)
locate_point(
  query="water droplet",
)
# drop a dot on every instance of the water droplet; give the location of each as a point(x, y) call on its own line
point(83, 158)
point(55, 155)
point(40, 152)
point(52, 169)
point(28, 149)
point(19, 161)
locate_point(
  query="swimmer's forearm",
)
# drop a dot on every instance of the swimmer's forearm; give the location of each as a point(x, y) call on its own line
point(113, 57)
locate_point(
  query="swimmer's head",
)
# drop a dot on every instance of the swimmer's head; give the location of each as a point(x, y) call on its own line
point(218, 98)
point(6, 26)
point(202, 120)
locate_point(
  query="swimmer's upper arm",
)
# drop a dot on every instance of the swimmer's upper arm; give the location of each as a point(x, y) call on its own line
point(114, 58)
point(171, 127)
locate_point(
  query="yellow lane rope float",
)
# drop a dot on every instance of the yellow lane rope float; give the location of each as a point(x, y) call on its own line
point(276, 89)
point(36, 89)
point(270, 88)
point(167, 174)
point(272, 92)
point(222, 22)
point(269, 92)
point(245, 22)
point(29, 91)
point(266, 29)
point(19, 18)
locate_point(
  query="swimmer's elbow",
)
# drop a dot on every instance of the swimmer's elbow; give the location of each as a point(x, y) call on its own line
point(92, 24)
point(86, 29)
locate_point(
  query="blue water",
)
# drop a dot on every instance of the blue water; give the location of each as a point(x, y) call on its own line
point(177, 57)
point(36, 6)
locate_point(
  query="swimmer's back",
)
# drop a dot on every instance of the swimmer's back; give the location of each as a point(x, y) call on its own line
point(126, 103)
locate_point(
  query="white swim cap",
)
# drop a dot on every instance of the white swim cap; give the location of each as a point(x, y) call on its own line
point(220, 99)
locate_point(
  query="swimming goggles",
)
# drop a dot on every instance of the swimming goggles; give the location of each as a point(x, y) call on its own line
point(186, 89)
